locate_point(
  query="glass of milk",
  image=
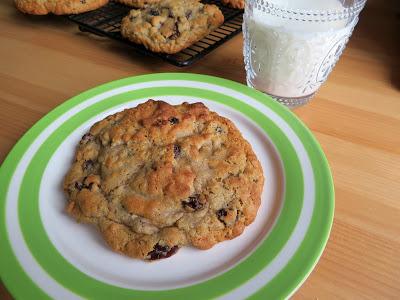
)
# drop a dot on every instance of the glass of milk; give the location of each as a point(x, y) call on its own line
point(291, 46)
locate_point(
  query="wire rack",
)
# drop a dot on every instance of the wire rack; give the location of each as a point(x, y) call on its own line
point(106, 21)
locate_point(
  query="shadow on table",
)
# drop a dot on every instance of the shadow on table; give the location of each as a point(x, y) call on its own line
point(380, 24)
point(209, 64)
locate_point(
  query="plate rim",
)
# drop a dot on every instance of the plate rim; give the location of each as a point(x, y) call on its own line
point(283, 112)
point(215, 286)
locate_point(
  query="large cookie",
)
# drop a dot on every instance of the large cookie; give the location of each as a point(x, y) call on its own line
point(157, 177)
point(58, 7)
point(171, 25)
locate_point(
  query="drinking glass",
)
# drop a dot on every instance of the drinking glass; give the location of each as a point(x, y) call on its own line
point(291, 46)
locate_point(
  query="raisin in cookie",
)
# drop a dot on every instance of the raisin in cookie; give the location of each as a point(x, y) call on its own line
point(171, 25)
point(58, 7)
point(157, 177)
point(239, 4)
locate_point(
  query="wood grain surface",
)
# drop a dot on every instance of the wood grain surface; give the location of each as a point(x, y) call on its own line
point(355, 116)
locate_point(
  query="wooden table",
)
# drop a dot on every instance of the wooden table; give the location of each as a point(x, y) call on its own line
point(355, 116)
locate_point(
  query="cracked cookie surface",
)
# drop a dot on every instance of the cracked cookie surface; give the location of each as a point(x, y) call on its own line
point(171, 25)
point(138, 3)
point(58, 7)
point(157, 177)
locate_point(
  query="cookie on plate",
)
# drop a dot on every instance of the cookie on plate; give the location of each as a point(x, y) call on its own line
point(171, 25)
point(238, 4)
point(58, 7)
point(158, 177)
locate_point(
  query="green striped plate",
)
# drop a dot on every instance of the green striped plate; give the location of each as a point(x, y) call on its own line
point(45, 254)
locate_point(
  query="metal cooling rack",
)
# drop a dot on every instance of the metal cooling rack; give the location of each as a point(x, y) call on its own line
point(106, 21)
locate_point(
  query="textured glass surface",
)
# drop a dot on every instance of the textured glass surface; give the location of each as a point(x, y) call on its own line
point(290, 53)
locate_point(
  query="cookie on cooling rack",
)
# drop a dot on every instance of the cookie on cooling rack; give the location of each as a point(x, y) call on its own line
point(171, 25)
point(137, 3)
point(58, 7)
point(158, 177)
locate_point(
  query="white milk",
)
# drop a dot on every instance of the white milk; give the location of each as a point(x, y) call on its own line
point(289, 58)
